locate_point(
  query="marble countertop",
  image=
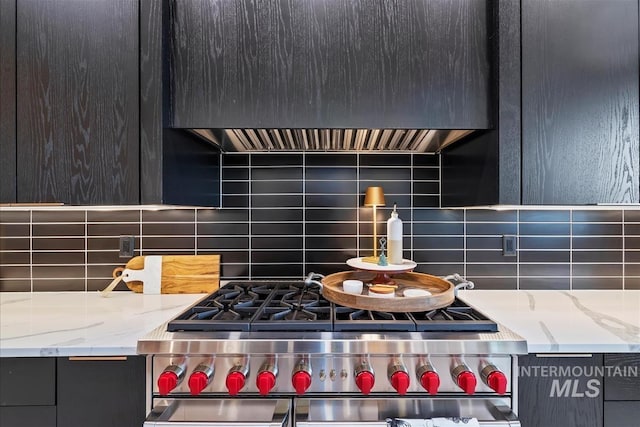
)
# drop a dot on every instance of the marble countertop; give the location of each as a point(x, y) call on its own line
point(587, 321)
point(85, 324)
point(82, 323)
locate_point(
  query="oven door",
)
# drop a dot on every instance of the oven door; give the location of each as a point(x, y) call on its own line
point(220, 412)
point(359, 412)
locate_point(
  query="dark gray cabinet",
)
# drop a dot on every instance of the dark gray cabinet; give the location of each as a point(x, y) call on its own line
point(7, 100)
point(579, 138)
point(330, 64)
point(622, 390)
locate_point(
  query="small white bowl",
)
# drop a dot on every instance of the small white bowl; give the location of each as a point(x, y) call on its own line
point(377, 295)
point(353, 286)
point(413, 292)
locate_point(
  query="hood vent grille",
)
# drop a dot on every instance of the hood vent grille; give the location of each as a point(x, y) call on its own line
point(416, 140)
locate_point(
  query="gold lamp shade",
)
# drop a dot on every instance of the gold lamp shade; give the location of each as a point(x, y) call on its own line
point(374, 196)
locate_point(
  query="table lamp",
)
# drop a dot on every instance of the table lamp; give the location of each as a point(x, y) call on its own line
point(374, 197)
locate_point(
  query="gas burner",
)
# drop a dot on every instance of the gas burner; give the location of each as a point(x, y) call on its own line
point(351, 319)
point(456, 317)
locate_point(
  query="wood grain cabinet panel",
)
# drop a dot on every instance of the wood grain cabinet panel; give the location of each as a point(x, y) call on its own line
point(580, 133)
point(7, 101)
point(623, 383)
point(77, 104)
point(330, 63)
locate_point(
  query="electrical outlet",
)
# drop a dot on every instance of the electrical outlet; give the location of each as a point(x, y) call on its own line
point(126, 246)
point(509, 245)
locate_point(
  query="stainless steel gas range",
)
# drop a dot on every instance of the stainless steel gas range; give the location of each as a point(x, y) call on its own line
point(265, 353)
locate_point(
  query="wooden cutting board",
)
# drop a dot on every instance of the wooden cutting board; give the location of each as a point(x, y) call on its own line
point(172, 274)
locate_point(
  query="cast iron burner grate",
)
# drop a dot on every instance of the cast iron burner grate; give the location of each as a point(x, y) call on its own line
point(456, 317)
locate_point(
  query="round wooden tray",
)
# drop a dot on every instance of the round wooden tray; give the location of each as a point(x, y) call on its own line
point(442, 292)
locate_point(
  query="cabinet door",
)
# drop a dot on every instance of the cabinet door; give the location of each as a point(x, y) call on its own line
point(580, 102)
point(330, 63)
point(77, 109)
point(7, 101)
point(560, 391)
point(101, 393)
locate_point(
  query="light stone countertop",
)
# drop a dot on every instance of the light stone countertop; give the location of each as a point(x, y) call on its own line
point(85, 324)
point(589, 321)
point(82, 323)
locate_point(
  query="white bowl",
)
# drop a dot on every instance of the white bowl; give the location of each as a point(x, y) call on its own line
point(413, 292)
point(377, 295)
point(353, 286)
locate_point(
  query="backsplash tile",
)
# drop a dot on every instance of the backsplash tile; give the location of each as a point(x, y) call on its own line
point(287, 214)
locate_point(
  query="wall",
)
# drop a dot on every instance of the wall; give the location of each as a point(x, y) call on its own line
point(288, 214)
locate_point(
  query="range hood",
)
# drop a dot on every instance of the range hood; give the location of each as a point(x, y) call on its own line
point(412, 140)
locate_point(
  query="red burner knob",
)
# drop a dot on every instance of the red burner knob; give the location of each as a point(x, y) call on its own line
point(265, 382)
point(167, 381)
point(365, 381)
point(467, 382)
point(197, 382)
point(301, 381)
point(235, 382)
point(430, 381)
point(497, 381)
point(400, 381)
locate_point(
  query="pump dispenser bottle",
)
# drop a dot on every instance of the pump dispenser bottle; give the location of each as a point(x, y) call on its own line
point(394, 238)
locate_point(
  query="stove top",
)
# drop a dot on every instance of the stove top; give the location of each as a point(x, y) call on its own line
point(292, 306)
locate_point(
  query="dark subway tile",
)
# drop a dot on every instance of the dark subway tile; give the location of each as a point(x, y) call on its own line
point(100, 284)
point(440, 269)
point(340, 174)
point(372, 176)
point(14, 230)
point(235, 188)
point(267, 174)
point(632, 215)
point(499, 283)
point(597, 283)
point(489, 256)
point(223, 215)
point(492, 270)
point(58, 216)
point(330, 187)
point(597, 269)
point(276, 187)
point(545, 216)
point(597, 242)
point(426, 188)
point(113, 216)
point(40, 230)
point(113, 229)
point(61, 257)
point(331, 228)
point(330, 159)
point(59, 285)
point(168, 229)
point(540, 283)
point(234, 271)
point(330, 214)
point(15, 272)
point(438, 243)
point(632, 256)
point(235, 242)
point(235, 201)
point(277, 228)
point(104, 257)
point(103, 271)
point(275, 159)
point(490, 215)
point(632, 270)
point(171, 215)
point(544, 256)
point(597, 256)
point(239, 174)
point(425, 174)
point(451, 215)
point(434, 228)
point(597, 216)
point(277, 200)
point(227, 256)
point(331, 201)
point(550, 270)
point(276, 215)
point(632, 229)
point(587, 229)
point(544, 229)
point(223, 228)
point(146, 252)
point(426, 201)
point(15, 285)
point(278, 270)
point(325, 268)
point(15, 257)
point(331, 256)
point(544, 242)
point(57, 272)
point(235, 159)
point(290, 242)
point(454, 256)
point(344, 243)
point(283, 257)
point(108, 243)
point(629, 283)
point(426, 159)
point(385, 159)
point(392, 189)
point(402, 200)
point(484, 243)
point(46, 243)
point(491, 228)
point(15, 216)
point(167, 243)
